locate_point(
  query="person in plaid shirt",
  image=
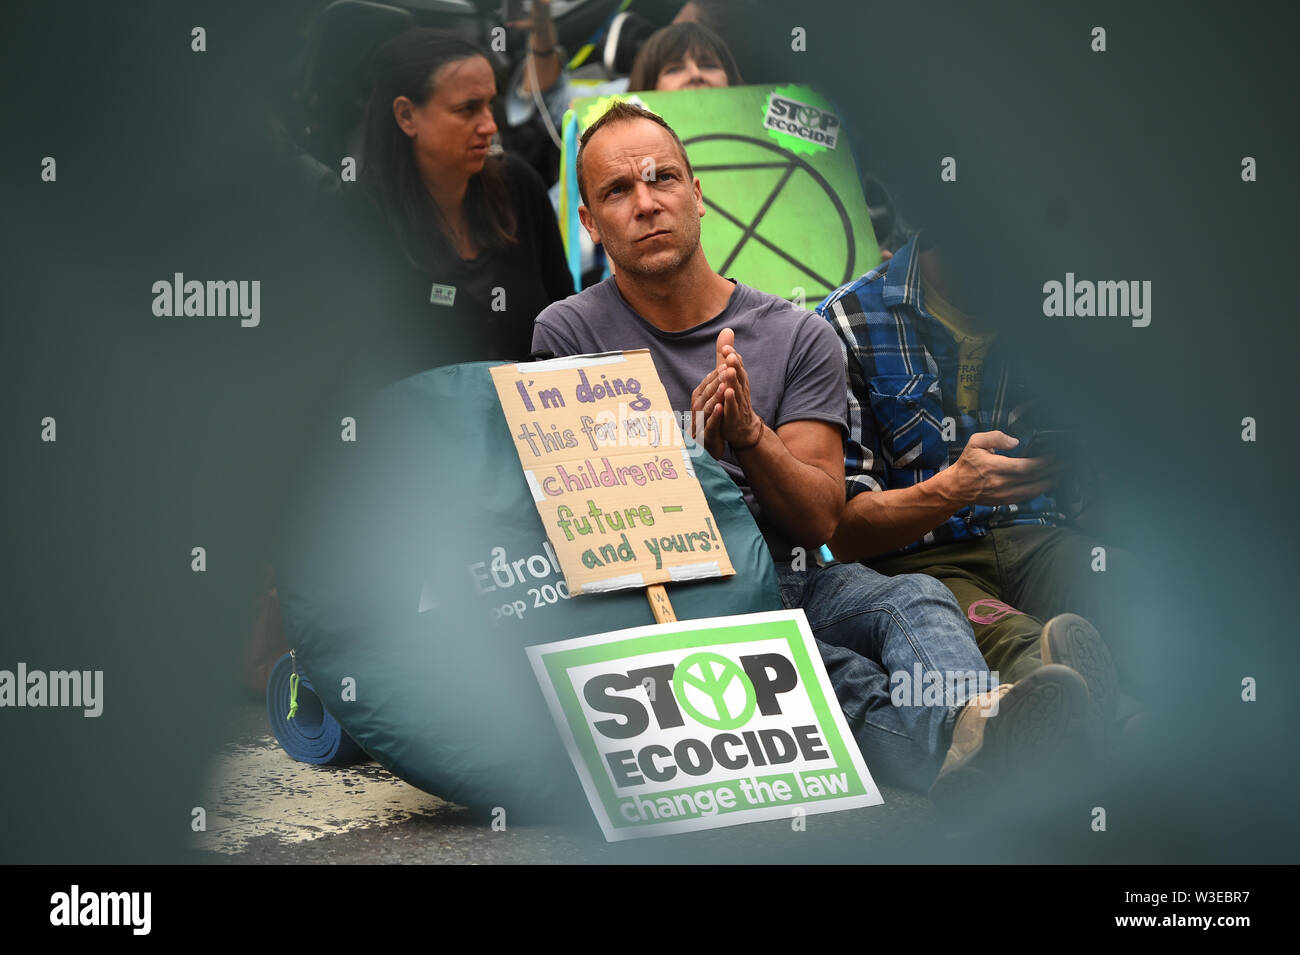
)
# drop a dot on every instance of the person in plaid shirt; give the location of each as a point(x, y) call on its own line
point(935, 404)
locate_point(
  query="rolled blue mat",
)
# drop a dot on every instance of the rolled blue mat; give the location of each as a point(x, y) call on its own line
point(312, 736)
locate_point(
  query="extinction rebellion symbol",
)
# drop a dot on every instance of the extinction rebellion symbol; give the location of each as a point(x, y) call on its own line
point(761, 156)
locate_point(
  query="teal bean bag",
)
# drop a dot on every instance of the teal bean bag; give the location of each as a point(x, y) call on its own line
point(413, 570)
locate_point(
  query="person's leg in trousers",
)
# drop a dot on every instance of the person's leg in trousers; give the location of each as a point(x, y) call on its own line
point(1057, 570)
point(1007, 637)
point(862, 689)
point(890, 626)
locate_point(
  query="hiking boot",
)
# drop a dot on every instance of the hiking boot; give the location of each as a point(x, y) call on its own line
point(1037, 731)
point(1072, 641)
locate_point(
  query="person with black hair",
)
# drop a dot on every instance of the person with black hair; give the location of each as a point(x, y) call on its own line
point(463, 241)
point(681, 57)
point(761, 52)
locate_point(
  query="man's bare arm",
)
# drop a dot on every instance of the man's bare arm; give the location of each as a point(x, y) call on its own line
point(541, 37)
point(796, 472)
point(797, 475)
point(879, 522)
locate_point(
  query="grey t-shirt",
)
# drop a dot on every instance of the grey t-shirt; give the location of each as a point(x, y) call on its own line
point(793, 359)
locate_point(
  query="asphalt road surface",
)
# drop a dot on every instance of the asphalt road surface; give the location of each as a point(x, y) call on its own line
point(263, 807)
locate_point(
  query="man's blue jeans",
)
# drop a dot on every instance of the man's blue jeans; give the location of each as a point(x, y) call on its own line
point(869, 627)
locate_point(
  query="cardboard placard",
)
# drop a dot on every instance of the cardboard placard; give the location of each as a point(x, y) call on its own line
point(707, 723)
point(611, 474)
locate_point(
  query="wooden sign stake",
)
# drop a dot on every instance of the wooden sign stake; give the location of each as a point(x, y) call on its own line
point(660, 605)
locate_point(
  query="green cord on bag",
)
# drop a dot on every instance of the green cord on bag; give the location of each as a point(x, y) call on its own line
point(293, 696)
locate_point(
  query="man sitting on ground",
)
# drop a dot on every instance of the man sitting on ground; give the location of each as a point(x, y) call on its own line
point(775, 419)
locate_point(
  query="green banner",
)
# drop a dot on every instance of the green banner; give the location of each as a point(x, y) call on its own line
point(784, 205)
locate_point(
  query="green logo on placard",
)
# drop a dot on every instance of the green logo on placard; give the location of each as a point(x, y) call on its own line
point(800, 120)
point(724, 698)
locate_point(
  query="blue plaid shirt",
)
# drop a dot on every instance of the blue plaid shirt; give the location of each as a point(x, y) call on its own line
point(902, 373)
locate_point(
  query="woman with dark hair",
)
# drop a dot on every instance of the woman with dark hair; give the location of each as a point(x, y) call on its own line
point(683, 56)
point(449, 253)
point(467, 243)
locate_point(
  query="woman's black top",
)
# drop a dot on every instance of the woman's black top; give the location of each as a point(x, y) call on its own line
point(411, 318)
